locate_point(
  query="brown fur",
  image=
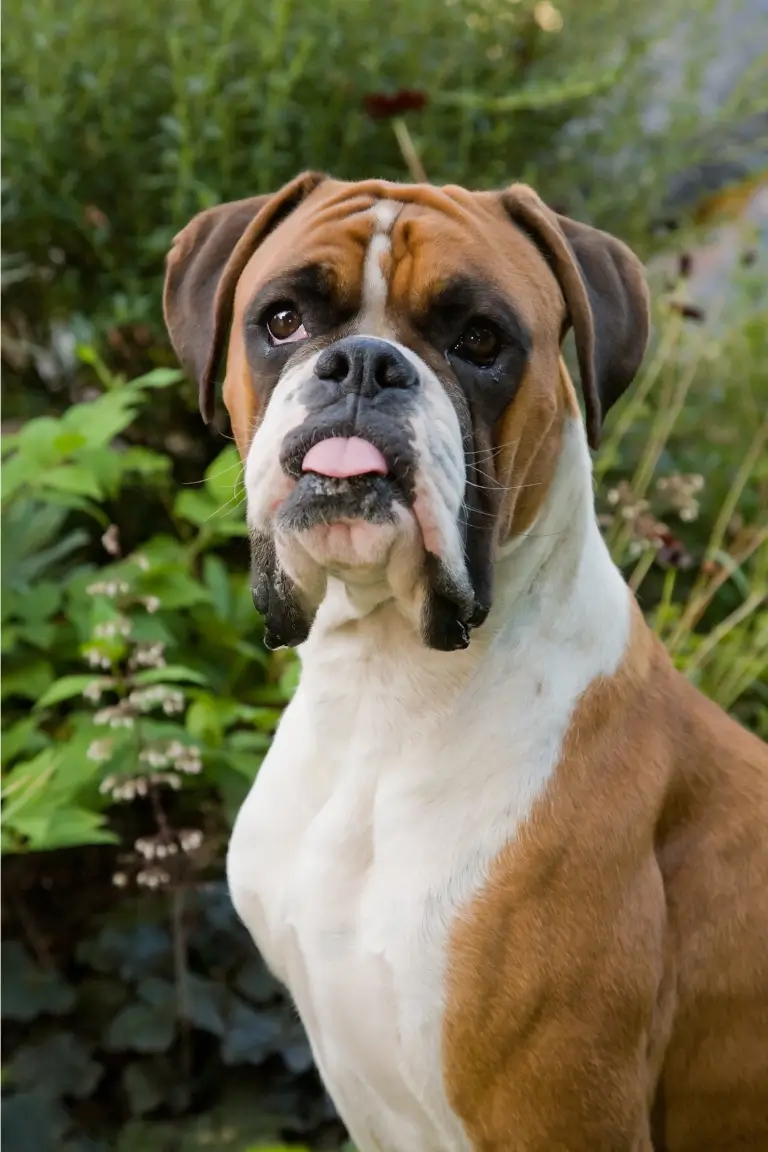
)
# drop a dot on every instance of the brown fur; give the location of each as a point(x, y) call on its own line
point(619, 953)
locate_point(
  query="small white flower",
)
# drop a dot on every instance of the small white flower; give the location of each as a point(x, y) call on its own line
point(95, 690)
point(152, 877)
point(190, 839)
point(100, 750)
point(120, 880)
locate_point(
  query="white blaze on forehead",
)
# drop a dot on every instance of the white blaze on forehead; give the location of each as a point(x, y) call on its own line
point(375, 286)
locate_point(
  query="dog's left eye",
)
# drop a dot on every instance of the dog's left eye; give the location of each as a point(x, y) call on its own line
point(479, 343)
point(284, 324)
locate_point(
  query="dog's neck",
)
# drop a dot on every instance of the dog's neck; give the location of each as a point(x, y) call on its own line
point(555, 585)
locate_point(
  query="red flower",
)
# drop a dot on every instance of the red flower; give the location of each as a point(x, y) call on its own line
point(384, 105)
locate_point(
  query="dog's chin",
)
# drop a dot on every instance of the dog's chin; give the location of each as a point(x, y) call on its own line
point(363, 532)
point(347, 526)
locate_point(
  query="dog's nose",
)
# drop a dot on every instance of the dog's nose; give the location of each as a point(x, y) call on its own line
point(365, 366)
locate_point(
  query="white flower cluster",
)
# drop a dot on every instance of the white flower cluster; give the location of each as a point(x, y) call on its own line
point(681, 492)
point(96, 689)
point(169, 699)
point(110, 588)
point(120, 715)
point(109, 629)
point(152, 878)
point(97, 658)
point(149, 655)
point(100, 750)
point(184, 758)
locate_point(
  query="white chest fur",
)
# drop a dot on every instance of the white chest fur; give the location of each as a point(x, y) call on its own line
point(396, 776)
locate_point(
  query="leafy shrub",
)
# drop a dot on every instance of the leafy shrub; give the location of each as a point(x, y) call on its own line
point(179, 681)
point(125, 1032)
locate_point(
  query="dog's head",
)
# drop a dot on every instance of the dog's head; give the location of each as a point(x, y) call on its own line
point(394, 381)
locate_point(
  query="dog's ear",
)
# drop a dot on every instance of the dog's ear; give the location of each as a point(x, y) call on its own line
point(605, 293)
point(202, 271)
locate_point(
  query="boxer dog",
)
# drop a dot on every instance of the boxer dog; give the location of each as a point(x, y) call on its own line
point(511, 865)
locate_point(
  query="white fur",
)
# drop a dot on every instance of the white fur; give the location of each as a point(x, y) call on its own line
point(375, 283)
point(396, 776)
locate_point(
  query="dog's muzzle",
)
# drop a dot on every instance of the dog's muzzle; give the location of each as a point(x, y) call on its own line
point(353, 457)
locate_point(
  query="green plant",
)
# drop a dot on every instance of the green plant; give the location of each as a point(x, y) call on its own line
point(176, 688)
point(692, 540)
point(136, 1029)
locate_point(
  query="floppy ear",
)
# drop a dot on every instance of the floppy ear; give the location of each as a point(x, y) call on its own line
point(606, 295)
point(202, 271)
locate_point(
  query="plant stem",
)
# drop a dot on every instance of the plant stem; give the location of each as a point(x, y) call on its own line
point(408, 151)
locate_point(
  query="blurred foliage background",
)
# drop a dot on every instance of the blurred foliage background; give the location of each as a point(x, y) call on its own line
point(138, 700)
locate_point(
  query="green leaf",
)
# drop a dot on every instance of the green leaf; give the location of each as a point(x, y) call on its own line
point(61, 1061)
point(74, 478)
point(66, 827)
point(194, 506)
point(206, 1004)
point(251, 1037)
point(65, 689)
point(29, 682)
point(100, 421)
point(224, 478)
point(204, 723)
point(216, 577)
point(24, 736)
point(158, 378)
point(29, 991)
point(144, 462)
point(142, 1028)
point(143, 1087)
point(171, 673)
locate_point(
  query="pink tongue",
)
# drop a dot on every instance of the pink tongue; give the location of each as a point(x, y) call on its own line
point(341, 458)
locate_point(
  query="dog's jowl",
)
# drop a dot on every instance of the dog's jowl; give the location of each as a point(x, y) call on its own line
point(512, 866)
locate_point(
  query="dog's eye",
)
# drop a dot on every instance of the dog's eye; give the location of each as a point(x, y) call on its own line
point(479, 343)
point(284, 324)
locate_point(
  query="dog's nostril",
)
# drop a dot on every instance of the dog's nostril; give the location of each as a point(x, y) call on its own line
point(333, 364)
point(392, 370)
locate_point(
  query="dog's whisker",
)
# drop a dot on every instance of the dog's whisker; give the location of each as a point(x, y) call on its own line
point(503, 488)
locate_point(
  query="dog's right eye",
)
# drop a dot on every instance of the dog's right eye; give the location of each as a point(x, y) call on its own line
point(284, 324)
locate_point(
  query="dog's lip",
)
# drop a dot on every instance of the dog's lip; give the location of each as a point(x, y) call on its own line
point(292, 458)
